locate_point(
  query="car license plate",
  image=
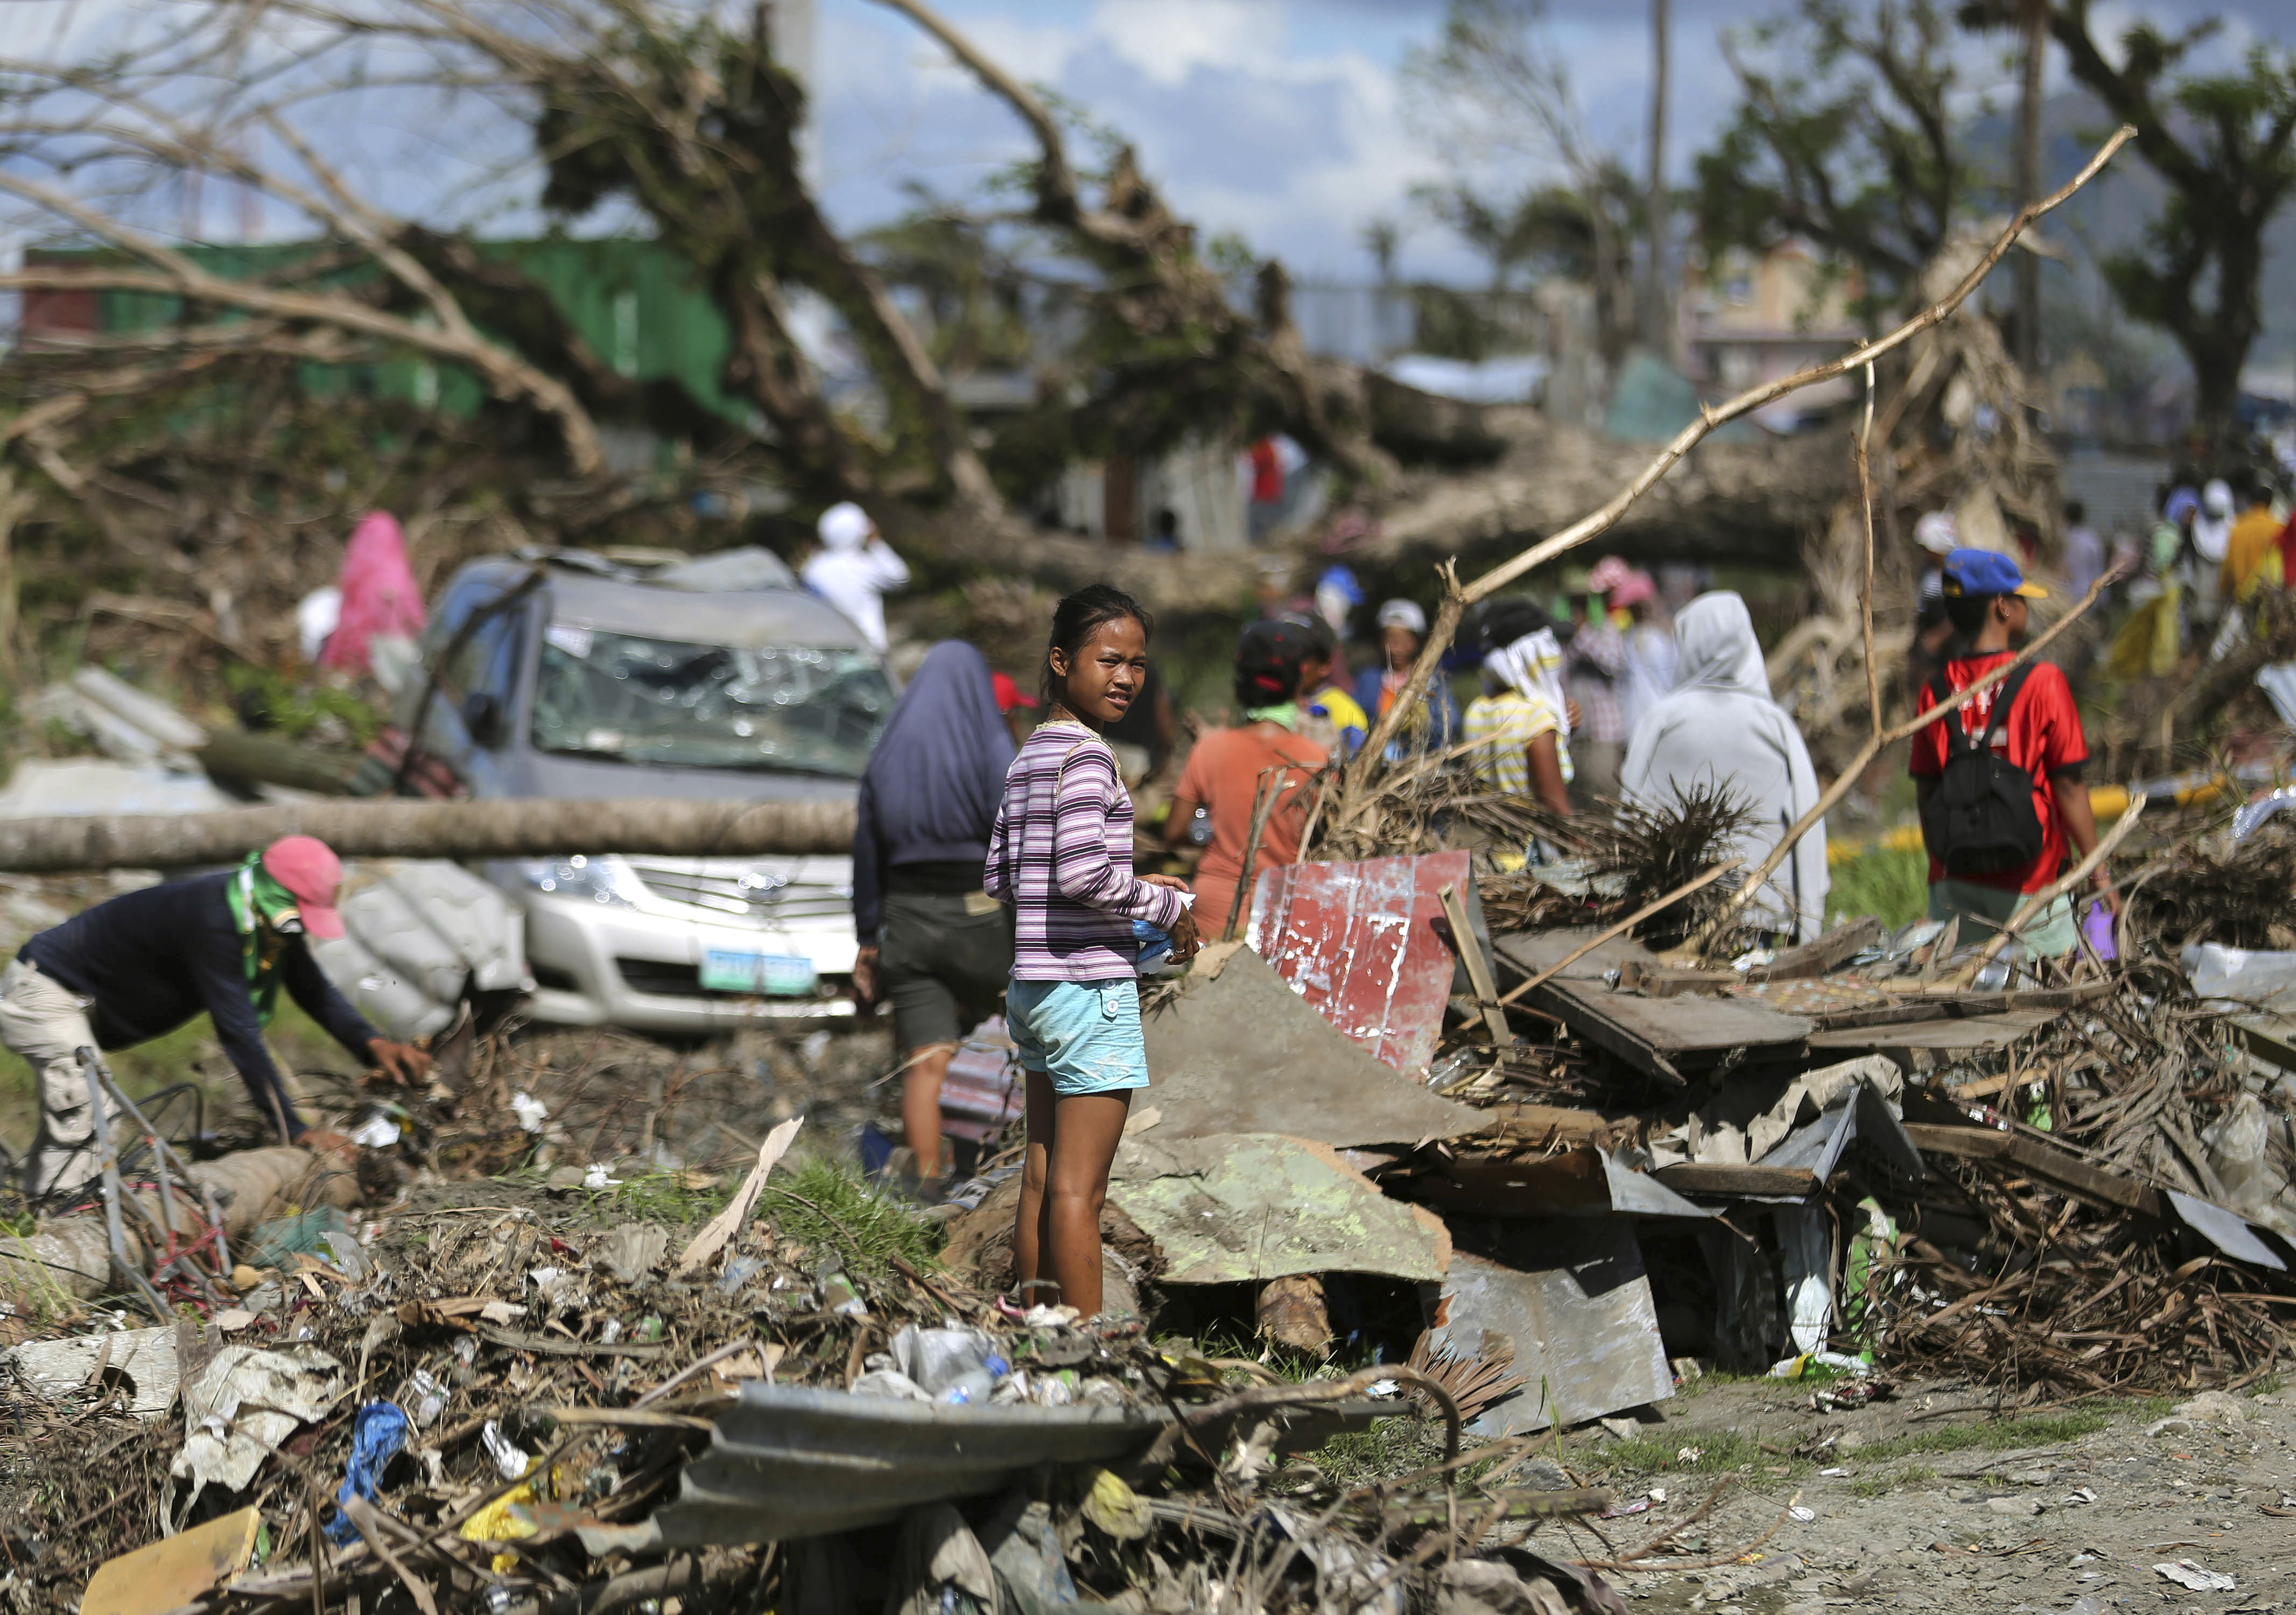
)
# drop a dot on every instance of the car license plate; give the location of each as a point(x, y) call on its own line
point(777, 975)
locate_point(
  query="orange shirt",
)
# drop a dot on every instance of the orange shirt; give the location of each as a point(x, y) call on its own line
point(1223, 773)
point(2246, 548)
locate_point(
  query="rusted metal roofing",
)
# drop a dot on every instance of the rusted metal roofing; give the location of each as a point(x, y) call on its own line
point(1365, 944)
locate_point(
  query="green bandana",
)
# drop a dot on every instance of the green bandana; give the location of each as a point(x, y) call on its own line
point(1287, 715)
point(267, 916)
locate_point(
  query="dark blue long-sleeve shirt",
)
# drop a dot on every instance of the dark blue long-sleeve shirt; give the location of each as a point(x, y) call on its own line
point(153, 959)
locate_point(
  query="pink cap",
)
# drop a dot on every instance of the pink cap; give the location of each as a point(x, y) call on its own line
point(308, 868)
point(1636, 589)
point(1608, 573)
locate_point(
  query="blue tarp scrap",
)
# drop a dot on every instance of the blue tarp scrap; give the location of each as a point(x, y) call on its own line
point(377, 1434)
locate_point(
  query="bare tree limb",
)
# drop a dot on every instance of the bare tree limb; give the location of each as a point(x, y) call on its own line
point(1594, 525)
point(173, 274)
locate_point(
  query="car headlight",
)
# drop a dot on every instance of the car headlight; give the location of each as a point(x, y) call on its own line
point(602, 879)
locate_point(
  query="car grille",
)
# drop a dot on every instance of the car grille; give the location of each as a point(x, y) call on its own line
point(748, 896)
point(684, 981)
point(652, 976)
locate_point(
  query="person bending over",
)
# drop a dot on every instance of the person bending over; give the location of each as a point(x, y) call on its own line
point(140, 965)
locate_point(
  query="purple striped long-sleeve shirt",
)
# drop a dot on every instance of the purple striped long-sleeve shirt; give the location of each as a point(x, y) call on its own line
point(1061, 853)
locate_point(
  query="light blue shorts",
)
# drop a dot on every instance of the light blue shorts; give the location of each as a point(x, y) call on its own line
point(1083, 1035)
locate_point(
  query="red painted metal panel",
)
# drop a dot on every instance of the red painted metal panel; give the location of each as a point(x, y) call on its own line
point(1364, 943)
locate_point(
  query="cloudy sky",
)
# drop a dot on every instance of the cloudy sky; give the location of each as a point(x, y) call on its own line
point(1281, 120)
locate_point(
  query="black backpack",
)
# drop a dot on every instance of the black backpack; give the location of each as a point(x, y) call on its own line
point(1980, 820)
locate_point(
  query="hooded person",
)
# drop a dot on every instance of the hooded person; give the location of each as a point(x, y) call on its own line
point(932, 940)
point(1720, 726)
point(855, 568)
point(2211, 538)
point(378, 615)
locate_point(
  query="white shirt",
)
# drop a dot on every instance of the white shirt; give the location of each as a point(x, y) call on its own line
point(857, 581)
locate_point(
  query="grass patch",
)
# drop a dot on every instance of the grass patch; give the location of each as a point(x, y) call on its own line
point(1891, 885)
point(824, 1203)
point(1878, 1486)
point(1998, 1435)
point(675, 1199)
point(292, 708)
point(1389, 1447)
point(1713, 1452)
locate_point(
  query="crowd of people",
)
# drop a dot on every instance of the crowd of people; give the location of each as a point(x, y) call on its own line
point(996, 835)
point(2214, 547)
point(995, 849)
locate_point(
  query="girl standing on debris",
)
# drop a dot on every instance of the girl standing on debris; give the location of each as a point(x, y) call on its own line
point(1061, 855)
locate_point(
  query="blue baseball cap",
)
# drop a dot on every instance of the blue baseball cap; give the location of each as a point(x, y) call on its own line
point(1987, 573)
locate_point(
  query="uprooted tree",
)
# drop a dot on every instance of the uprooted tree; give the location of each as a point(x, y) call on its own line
point(193, 440)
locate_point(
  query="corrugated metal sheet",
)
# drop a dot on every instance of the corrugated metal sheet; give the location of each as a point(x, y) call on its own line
point(1573, 1300)
point(1364, 943)
point(789, 1462)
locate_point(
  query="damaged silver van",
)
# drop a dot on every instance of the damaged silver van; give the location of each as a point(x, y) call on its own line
point(585, 677)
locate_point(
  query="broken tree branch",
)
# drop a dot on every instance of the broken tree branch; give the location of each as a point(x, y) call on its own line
point(1656, 905)
point(1600, 522)
point(1866, 586)
point(174, 274)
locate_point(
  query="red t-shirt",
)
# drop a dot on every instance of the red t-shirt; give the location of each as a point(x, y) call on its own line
point(2042, 736)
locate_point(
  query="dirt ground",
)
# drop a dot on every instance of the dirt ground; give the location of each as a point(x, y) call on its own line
point(1931, 1500)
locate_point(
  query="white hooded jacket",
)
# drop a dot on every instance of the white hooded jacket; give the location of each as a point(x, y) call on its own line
point(1719, 724)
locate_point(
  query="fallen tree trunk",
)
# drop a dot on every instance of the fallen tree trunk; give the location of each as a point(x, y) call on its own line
point(428, 830)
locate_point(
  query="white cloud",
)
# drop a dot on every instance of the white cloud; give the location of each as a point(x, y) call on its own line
point(1168, 39)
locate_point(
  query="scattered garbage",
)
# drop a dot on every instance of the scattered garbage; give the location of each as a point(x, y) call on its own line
point(244, 1404)
point(377, 1434)
point(2185, 1573)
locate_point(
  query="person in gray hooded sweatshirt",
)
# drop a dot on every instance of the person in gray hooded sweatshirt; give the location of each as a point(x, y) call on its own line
point(1719, 725)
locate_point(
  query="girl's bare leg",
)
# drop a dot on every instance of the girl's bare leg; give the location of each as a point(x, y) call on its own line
point(1087, 1129)
point(1028, 1242)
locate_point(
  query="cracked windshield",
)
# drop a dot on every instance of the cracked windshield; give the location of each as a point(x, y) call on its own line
point(701, 705)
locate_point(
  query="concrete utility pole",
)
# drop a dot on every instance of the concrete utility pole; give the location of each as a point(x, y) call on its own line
point(1657, 321)
point(2033, 21)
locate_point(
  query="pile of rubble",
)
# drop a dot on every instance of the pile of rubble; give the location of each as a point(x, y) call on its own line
point(1531, 1177)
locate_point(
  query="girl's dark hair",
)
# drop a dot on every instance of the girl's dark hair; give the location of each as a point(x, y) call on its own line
point(1076, 619)
point(1267, 662)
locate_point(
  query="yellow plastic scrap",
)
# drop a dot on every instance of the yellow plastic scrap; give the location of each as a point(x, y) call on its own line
point(1117, 1509)
point(498, 1522)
